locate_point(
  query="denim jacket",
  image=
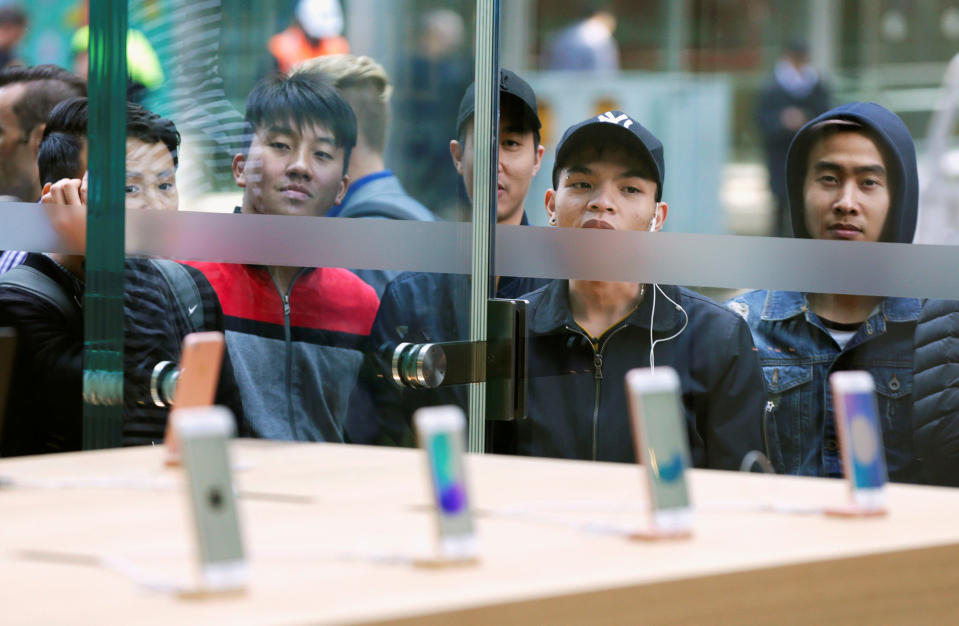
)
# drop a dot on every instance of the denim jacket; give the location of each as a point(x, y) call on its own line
point(798, 354)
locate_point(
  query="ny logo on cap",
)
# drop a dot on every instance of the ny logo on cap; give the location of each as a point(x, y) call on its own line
point(622, 119)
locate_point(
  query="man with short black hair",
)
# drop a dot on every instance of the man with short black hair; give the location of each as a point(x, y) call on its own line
point(585, 335)
point(294, 333)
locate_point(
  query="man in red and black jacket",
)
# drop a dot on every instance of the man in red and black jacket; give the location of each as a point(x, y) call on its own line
point(294, 334)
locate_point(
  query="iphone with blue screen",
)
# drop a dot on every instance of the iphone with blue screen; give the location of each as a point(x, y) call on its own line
point(662, 445)
point(440, 431)
point(860, 437)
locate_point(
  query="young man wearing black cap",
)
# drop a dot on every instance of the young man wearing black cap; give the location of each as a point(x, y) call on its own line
point(427, 307)
point(585, 335)
point(851, 176)
point(520, 153)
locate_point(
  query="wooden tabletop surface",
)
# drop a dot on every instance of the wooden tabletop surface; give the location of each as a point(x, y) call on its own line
point(331, 530)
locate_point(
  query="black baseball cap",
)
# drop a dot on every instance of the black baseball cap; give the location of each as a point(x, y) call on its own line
point(644, 141)
point(509, 84)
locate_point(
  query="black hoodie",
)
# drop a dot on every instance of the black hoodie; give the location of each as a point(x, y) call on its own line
point(897, 149)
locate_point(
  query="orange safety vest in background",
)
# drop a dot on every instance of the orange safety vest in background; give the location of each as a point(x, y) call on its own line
point(292, 46)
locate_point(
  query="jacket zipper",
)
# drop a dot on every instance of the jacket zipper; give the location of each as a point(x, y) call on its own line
point(597, 376)
point(288, 338)
point(767, 415)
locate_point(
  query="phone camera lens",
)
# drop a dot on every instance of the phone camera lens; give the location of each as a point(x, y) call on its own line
point(215, 498)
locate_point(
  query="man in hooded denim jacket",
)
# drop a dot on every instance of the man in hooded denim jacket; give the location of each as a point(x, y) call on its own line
point(850, 175)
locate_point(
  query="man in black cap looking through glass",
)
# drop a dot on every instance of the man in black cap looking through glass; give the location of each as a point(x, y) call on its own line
point(584, 335)
point(428, 307)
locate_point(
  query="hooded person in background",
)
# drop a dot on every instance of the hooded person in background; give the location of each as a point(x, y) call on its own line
point(316, 30)
point(851, 176)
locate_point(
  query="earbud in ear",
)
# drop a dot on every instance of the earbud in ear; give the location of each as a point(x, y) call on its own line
point(652, 225)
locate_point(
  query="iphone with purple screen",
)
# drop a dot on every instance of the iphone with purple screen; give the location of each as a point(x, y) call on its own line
point(860, 438)
point(440, 431)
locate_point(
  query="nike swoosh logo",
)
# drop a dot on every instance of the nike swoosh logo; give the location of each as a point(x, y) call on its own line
point(192, 309)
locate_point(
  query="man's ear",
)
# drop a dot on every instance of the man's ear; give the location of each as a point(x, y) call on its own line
point(344, 185)
point(35, 137)
point(550, 202)
point(239, 167)
point(539, 159)
point(456, 153)
point(662, 210)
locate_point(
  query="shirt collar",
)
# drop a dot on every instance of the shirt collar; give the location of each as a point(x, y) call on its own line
point(901, 309)
point(553, 310)
point(782, 305)
point(355, 186)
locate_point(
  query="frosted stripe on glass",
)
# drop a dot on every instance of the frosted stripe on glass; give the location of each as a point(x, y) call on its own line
point(684, 259)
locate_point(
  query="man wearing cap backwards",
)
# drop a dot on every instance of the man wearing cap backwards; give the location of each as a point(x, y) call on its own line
point(850, 176)
point(428, 307)
point(585, 335)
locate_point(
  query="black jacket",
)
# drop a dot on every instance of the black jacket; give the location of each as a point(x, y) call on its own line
point(45, 407)
point(935, 392)
point(576, 388)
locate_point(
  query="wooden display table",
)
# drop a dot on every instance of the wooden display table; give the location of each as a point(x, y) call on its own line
point(328, 529)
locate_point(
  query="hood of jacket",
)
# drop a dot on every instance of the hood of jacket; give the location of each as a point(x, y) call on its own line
point(898, 150)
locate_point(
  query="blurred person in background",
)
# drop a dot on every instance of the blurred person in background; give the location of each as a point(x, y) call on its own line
point(144, 71)
point(425, 105)
point(43, 297)
point(374, 191)
point(795, 94)
point(316, 30)
point(588, 45)
point(850, 176)
point(13, 26)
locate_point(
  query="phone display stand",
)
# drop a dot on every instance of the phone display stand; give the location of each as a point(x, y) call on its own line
point(653, 534)
point(442, 562)
point(199, 593)
point(171, 443)
point(852, 510)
